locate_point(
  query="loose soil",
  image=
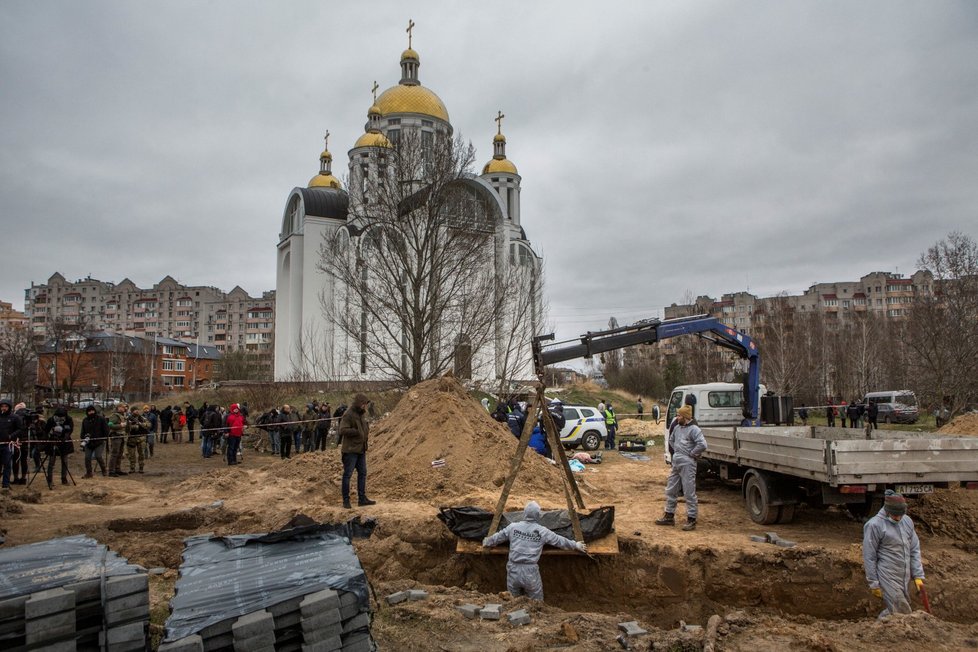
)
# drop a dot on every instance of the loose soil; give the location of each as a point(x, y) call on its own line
point(963, 424)
point(811, 597)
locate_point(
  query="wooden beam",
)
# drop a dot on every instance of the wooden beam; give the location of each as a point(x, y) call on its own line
point(607, 545)
point(514, 468)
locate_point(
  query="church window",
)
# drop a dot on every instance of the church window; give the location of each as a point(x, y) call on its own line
point(509, 202)
point(394, 135)
point(495, 179)
point(427, 123)
point(394, 121)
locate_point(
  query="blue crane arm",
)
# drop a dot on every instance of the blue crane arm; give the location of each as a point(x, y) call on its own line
point(655, 330)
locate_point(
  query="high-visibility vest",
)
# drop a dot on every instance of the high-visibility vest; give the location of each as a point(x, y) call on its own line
point(609, 418)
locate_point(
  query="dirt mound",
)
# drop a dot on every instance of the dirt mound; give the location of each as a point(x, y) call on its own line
point(439, 420)
point(963, 424)
point(647, 429)
point(952, 513)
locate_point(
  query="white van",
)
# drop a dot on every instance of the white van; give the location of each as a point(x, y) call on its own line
point(717, 404)
point(895, 406)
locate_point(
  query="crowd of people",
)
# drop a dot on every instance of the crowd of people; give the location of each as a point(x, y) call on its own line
point(132, 433)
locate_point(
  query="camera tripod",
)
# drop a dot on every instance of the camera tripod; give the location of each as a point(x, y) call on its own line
point(45, 460)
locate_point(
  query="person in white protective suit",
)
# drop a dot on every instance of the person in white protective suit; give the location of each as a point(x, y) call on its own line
point(891, 555)
point(526, 541)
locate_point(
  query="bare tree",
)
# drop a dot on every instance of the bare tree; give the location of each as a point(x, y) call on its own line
point(18, 363)
point(521, 316)
point(418, 281)
point(942, 329)
point(67, 339)
point(778, 345)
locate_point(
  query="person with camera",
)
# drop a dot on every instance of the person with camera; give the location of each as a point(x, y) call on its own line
point(32, 424)
point(118, 425)
point(136, 439)
point(58, 430)
point(11, 429)
point(94, 434)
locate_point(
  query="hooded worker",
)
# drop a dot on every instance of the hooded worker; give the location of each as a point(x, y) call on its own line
point(526, 541)
point(891, 555)
point(686, 443)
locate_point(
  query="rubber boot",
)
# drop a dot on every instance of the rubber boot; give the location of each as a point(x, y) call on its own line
point(346, 504)
point(667, 519)
point(690, 525)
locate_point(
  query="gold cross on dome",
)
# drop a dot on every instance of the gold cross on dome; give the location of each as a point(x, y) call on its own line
point(374, 90)
point(326, 139)
point(408, 30)
point(499, 121)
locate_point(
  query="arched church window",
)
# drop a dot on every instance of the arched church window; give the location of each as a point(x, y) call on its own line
point(292, 222)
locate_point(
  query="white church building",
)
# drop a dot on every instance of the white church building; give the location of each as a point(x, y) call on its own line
point(308, 346)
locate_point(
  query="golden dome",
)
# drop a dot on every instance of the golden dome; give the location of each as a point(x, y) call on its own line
point(326, 155)
point(499, 138)
point(410, 54)
point(324, 181)
point(411, 99)
point(372, 139)
point(499, 165)
point(374, 110)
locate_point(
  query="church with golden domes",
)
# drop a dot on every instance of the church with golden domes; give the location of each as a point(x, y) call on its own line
point(308, 345)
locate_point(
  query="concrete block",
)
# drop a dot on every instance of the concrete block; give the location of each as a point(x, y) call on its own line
point(363, 645)
point(13, 607)
point(758, 539)
point(328, 645)
point(491, 611)
point(315, 603)
point(45, 603)
point(253, 624)
point(284, 607)
point(359, 621)
point(219, 641)
point(417, 594)
point(397, 598)
point(264, 639)
point(50, 628)
point(136, 632)
point(128, 601)
point(289, 621)
point(246, 646)
point(222, 627)
point(348, 598)
point(116, 617)
point(349, 611)
point(125, 585)
point(631, 628)
point(772, 537)
point(186, 644)
point(470, 611)
point(324, 619)
point(60, 646)
point(519, 617)
point(784, 543)
point(322, 633)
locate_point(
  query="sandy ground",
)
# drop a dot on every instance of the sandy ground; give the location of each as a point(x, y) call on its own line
point(811, 597)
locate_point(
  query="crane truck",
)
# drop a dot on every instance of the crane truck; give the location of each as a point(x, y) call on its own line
point(780, 468)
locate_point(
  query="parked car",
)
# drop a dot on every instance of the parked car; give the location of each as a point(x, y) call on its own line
point(85, 403)
point(584, 427)
point(895, 406)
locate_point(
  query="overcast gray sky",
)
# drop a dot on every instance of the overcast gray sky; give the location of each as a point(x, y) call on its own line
point(665, 147)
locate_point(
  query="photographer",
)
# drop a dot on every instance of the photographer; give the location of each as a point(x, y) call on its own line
point(94, 434)
point(32, 424)
point(58, 430)
point(210, 430)
point(136, 439)
point(10, 433)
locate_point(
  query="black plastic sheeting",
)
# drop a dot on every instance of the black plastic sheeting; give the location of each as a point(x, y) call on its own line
point(49, 564)
point(473, 522)
point(225, 577)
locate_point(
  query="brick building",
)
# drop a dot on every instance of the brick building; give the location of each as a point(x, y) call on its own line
point(110, 365)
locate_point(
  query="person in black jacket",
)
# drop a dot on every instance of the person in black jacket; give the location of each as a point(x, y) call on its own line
point(191, 413)
point(58, 431)
point(166, 423)
point(94, 434)
point(10, 436)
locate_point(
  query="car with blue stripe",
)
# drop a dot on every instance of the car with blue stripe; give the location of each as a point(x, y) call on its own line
point(584, 426)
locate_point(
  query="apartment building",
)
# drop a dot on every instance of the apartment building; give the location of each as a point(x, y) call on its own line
point(198, 314)
point(10, 319)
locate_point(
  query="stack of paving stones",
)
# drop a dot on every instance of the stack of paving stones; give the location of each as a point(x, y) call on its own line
point(324, 621)
point(71, 594)
point(270, 593)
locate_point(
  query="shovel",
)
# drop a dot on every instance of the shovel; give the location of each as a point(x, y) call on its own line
point(923, 598)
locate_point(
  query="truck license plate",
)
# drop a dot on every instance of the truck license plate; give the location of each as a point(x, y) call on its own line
point(914, 488)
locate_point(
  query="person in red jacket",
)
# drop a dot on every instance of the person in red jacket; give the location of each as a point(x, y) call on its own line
point(235, 428)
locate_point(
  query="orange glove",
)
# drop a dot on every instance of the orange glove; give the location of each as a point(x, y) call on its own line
point(919, 581)
point(877, 592)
